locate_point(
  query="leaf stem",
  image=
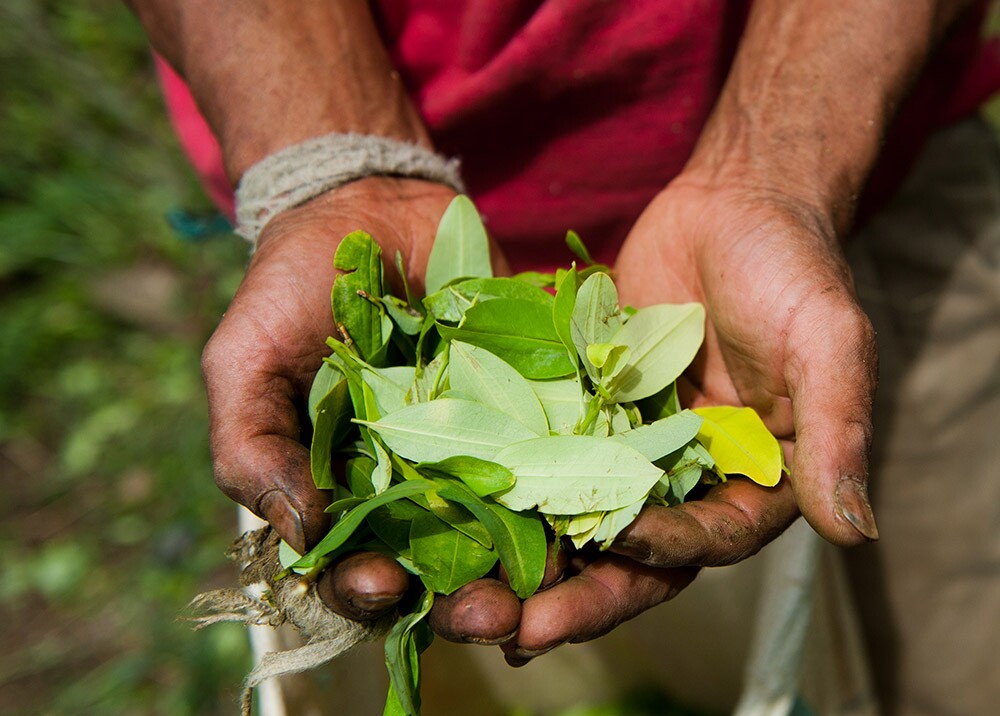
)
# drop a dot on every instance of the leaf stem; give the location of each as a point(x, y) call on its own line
point(593, 410)
point(439, 378)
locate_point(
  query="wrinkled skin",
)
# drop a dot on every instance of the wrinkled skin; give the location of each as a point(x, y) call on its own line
point(785, 336)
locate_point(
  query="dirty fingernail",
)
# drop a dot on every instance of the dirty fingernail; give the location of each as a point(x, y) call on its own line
point(515, 661)
point(519, 657)
point(284, 518)
point(852, 502)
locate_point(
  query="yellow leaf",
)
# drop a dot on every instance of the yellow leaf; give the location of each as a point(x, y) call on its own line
point(738, 441)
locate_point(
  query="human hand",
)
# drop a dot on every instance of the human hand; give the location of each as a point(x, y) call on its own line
point(785, 336)
point(259, 365)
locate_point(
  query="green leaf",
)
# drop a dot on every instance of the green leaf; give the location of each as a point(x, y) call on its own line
point(601, 426)
point(520, 332)
point(456, 395)
point(444, 557)
point(664, 340)
point(331, 426)
point(456, 516)
point(408, 319)
point(618, 421)
point(562, 311)
point(684, 480)
point(684, 468)
point(371, 411)
point(580, 528)
point(382, 474)
point(349, 363)
point(461, 248)
point(359, 476)
point(403, 646)
point(449, 305)
point(443, 428)
point(451, 302)
point(573, 474)
point(608, 359)
point(492, 381)
point(663, 437)
point(536, 278)
point(503, 287)
point(411, 297)
point(360, 258)
point(326, 378)
point(739, 442)
point(589, 271)
point(563, 403)
point(375, 391)
point(660, 405)
point(575, 244)
point(482, 476)
point(391, 523)
point(596, 318)
point(342, 531)
point(388, 387)
point(343, 504)
point(423, 381)
point(287, 556)
point(615, 521)
point(518, 538)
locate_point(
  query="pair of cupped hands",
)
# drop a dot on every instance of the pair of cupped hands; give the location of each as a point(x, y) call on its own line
point(785, 335)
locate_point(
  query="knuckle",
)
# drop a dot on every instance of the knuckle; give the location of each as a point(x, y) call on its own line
point(860, 335)
point(212, 356)
point(225, 479)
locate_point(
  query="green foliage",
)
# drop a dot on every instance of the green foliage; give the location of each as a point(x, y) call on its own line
point(110, 517)
point(445, 558)
point(520, 332)
point(406, 640)
point(364, 321)
point(574, 474)
point(484, 452)
point(461, 249)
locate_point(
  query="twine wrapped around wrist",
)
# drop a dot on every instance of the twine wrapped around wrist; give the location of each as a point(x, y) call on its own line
point(296, 174)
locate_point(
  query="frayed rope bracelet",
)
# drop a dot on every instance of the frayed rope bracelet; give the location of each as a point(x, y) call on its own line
point(298, 173)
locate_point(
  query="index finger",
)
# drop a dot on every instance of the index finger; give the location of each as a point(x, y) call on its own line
point(254, 435)
point(832, 374)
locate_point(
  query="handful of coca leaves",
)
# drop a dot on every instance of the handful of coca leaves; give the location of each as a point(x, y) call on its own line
point(471, 418)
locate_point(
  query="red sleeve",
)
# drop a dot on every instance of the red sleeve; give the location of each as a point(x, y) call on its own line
point(197, 140)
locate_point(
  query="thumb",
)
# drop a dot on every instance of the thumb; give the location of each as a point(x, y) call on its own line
point(832, 379)
point(258, 459)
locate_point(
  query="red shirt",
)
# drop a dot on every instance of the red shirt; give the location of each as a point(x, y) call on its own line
point(574, 113)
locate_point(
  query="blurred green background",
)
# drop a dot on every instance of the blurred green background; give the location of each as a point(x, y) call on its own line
point(110, 520)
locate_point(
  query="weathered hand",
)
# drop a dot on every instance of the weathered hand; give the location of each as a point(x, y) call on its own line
point(786, 336)
point(260, 362)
